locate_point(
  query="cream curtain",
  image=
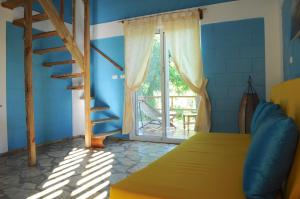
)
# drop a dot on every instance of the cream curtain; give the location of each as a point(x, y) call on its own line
point(183, 40)
point(139, 39)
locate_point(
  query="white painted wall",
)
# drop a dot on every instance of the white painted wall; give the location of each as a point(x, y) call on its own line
point(106, 30)
point(77, 103)
point(270, 10)
point(5, 15)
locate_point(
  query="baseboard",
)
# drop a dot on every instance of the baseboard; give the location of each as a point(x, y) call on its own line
point(16, 151)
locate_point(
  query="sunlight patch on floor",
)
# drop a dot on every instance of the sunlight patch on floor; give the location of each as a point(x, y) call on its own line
point(95, 174)
point(90, 184)
point(49, 190)
point(92, 166)
point(95, 190)
point(99, 161)
point(95, 168)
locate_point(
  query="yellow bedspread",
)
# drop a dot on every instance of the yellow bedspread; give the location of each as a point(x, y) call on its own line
point(207, 166)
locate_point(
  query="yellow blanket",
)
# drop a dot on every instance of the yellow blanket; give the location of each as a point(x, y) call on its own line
point(207, 166)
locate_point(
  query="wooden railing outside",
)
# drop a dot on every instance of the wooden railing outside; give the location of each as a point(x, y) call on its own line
point(172, 100)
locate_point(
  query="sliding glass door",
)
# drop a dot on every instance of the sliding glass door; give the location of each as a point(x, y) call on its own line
point(182, 104)
point(164, 105)
point(149, 99)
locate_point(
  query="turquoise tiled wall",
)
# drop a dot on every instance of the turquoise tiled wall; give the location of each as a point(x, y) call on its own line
point(231, 52)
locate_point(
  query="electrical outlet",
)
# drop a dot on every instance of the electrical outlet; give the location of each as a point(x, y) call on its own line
point(291, 59)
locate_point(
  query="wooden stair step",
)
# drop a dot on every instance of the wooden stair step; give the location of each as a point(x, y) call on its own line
point(108, 133)
point(82, 98)
point(35, 18)
point(50, 50)
point(49, 64)
point(105, 120)
point(98, 140)
point(67, 76)
point(44, 35)
point(79, 87)
point(100, 108)
point(11, 4)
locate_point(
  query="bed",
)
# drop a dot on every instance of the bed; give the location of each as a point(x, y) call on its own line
point(209, 165)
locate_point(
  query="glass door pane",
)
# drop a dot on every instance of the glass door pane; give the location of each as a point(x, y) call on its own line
point(149, 106)
point(182, 104)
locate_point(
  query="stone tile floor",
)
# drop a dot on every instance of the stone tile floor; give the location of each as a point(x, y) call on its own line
point(68, 170)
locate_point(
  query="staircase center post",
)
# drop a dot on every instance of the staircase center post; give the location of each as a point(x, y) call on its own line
point(28, 84)
point(87, 80)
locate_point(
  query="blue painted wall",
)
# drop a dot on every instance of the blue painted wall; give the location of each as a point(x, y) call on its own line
point(52, 102)
point(107, 91)
point(111, 10)
point(291, 47)
point(231, 52)
point(108, 10)
point(67, 9)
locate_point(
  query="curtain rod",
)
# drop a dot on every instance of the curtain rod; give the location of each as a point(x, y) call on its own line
point(200, 10)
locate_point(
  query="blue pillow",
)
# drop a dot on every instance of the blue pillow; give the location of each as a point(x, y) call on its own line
point(262, 111)
point(270, 157)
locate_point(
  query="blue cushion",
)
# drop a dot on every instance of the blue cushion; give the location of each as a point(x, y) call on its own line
point(262, 111)
point(270, 157)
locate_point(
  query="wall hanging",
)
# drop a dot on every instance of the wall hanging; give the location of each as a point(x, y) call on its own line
point(248, 104)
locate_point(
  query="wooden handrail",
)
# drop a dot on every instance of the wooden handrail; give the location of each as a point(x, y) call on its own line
point(107, 58)
point(63, 32)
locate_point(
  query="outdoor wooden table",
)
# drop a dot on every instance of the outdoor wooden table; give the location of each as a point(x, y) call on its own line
point(187, 120)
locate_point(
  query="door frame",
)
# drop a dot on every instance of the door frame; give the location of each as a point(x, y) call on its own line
point(165, 101)
point(5, 15)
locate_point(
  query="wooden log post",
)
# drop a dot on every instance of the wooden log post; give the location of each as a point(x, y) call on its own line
point(87, 81)
point(28, 84)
